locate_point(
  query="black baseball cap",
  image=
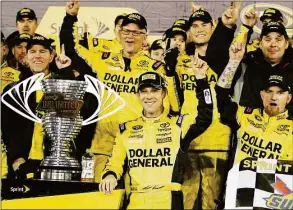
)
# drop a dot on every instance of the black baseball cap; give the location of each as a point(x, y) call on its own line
point(278, 80)
point(2, 37)
point(119, 17)
point(273, 26)
point(157, 44)
point(135, 18)
point(177, 30)
point(181, 23)
point(151, 79)
point(273, 14)
point(26, 13)
point(202, 15)
point(21, 38)
point(40, 40)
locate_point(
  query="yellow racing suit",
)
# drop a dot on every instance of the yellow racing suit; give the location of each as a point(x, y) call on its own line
point(121, 75)
point(258, 135)
point(208, 152)
point(155, 149)
point(8, 75)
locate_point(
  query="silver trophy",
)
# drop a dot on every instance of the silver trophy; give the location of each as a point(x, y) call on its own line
point(62, 122)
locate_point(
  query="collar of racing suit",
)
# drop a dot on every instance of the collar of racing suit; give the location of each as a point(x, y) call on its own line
point(278, 117)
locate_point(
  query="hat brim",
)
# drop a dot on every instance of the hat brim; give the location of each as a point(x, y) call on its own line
point(45, 44)
point(149, 84)
point(174, 33)
point(128, 21)
point(31, 17)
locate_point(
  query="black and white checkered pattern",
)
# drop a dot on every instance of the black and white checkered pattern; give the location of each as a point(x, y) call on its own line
point(250, 187)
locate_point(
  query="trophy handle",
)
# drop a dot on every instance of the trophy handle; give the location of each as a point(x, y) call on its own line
point(20, 94)
point(98, 88)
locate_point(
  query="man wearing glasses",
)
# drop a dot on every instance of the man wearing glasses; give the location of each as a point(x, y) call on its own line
point(119, 71)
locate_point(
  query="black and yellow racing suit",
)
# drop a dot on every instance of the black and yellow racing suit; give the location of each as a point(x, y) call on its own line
point(155, 149)
point(259, 135)
point(208, 152)
point(121, 75)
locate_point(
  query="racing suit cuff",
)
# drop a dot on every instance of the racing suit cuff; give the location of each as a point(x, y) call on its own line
point(109, 173)
point(65, 73)
point(221, 24)
point(202, 83)
point(73, 18)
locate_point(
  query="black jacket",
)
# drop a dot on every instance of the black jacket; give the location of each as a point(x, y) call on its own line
point(257, 74)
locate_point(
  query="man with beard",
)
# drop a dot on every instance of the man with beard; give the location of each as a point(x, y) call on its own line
point(17, 53)
point(120, 72)
point(264, 132)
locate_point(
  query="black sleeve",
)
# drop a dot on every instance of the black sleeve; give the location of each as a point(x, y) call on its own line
point(217, 54)
point(67, 38)
point(178, 89)
point(204, 114)
point(16, 130)
point(227, 108)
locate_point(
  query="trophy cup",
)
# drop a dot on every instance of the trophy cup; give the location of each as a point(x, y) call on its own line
point(62, 122)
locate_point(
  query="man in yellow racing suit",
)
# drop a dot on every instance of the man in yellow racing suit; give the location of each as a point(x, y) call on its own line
point(120, 72)
point(155, 145)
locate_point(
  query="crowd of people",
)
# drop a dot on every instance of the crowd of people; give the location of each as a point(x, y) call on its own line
point(182, 128)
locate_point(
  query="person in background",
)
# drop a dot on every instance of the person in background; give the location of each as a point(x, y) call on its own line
point(272, 14)
point(183, 24)
point(8, 74)
point(208, 154)
point(26, 21)
point(17, 52)
point(156, 50)
point(4, 51)
point(275, 56)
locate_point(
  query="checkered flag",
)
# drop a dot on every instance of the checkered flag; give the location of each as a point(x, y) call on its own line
point(260, 184)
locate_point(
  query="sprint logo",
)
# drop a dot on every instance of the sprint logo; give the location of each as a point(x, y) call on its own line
point(283, 200)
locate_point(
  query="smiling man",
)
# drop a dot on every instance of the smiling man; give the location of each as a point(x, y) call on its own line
point(275, 56)
point(154, 145)
point(119, 71)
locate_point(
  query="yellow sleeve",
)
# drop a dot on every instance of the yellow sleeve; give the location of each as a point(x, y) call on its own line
point(116, 160)
point(174, 93)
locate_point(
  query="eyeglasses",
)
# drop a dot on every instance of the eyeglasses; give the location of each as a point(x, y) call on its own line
point(133, 33)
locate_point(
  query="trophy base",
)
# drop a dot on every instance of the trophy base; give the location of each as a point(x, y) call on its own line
point(59, 175)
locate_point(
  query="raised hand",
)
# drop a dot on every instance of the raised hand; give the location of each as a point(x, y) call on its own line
point(250, 17)
point(170, 59)
point(195, 7)
point(62, 61)
point(199, 66)
point(72, 7)
point(230, 16)
point(237, 51)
